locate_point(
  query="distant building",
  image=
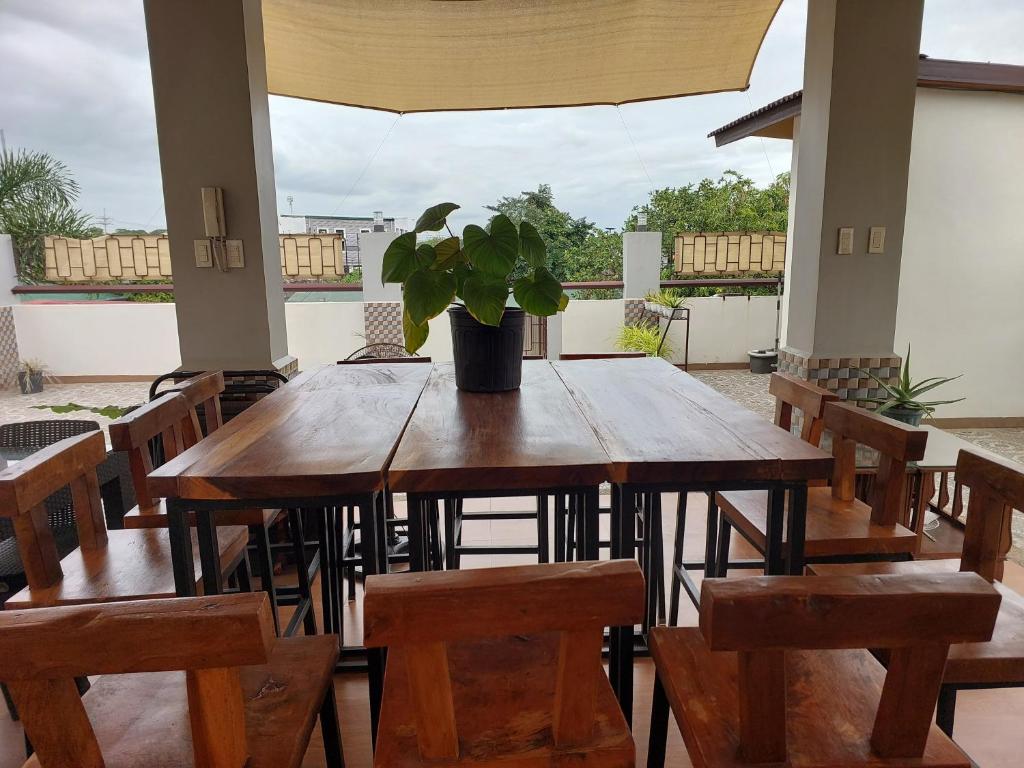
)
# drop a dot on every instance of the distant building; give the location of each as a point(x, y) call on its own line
point(349, 226)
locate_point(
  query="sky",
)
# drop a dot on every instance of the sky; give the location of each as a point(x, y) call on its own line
point(75, 82)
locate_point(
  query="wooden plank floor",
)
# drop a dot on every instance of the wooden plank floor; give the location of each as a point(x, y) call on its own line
point(987, 721)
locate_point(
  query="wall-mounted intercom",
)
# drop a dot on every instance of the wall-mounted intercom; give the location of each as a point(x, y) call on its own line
point(216, 248)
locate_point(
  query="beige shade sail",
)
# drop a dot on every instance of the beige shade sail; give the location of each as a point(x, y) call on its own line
point(433, 55)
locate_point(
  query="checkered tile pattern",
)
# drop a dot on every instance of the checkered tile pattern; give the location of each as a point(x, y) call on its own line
point(843, 375)
point(382, 322)
point(8, 348)
point(635, 311)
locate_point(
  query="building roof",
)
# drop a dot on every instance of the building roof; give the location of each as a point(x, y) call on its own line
point(332, 216)
point(775, 120)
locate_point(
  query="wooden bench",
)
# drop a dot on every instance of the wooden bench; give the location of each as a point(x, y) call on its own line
point(840, 526)
point(777, 672)
point(108, 565)
point(996, 489)
point(501, 666)
point(245, 698)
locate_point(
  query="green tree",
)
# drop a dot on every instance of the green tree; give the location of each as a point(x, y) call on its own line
point(558, 229)
point(37, 197)
point(598, 257)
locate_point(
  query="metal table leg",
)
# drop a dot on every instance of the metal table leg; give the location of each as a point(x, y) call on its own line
point(620, 644)
point(181, 548)
point(374, 554)
point(796, 528)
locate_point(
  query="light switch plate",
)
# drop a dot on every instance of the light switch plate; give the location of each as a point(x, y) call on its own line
point(236, 254)
point(204, 256)
point(845, 245)
point(876, 240)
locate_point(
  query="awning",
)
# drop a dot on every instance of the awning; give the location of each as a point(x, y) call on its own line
point(433, 55)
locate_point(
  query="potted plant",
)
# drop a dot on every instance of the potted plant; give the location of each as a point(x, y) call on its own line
point(30, 377)
point(670, 304)
point(645, 338)
point(487, 336)
point(902, 403)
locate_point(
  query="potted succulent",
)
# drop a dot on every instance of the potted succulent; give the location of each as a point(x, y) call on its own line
point(670, 304)
point(901, 402)
point(487, 336)
point(31, 376)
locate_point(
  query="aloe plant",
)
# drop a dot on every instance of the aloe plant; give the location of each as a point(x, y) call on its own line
point(475, 269)
point(667, 297)
point(905, 393)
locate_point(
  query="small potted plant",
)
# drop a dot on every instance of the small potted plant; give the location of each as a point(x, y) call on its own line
point(31, 376)
point(487, 336)
point(901, 402)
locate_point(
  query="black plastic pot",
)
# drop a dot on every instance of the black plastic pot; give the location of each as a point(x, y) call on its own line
point(487, 358)
point(30, 383)
point(911, 416)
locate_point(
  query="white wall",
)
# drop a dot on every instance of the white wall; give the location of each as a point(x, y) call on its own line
point(324, 332)
point(962, 276)
point(723, 330)
point(592, 325)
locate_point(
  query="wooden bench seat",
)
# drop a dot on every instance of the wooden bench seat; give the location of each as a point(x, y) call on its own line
point(134, 565)
point(823, 729)
point(156, 517)
point(834, 526)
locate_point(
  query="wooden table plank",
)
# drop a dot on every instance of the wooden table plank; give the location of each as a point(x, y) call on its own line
point(331, 432)
point(660, 425)
point(532, 438)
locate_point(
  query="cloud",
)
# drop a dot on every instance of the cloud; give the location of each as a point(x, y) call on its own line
point(74, 81)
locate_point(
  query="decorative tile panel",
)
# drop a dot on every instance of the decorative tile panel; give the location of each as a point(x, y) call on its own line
point(635, 311)
point(843, 375)
point(383, 322)
point(8, 348)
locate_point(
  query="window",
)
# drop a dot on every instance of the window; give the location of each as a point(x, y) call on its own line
point(364, 229)
point(321, 231)
point(339, 231)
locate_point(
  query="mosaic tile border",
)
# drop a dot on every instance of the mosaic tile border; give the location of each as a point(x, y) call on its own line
point(9, 357)
point(635, 311)
point(382, 322)
point(841, 374)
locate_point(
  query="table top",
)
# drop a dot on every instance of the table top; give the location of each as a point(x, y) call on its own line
point(329, 432)
point(535, 437)
point(943, 448)
point(661, 425)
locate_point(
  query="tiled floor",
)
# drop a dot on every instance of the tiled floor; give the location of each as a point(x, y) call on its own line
point(15, 406)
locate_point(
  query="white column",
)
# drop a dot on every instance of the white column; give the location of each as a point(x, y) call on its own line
point(641, 263)
point(555, 336)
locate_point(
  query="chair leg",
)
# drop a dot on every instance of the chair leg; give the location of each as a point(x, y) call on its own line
point(433, 523)
point(266, 564)
point(331, 729)
point(658, 560)
point(302, 569)
point(243, 574)
point(350, 551)
point(946, 709)
point(571, 536)
point(450, 545)
point(659, 727)
point(560, 522)
point(722, 555)
point(543, 548)
point(677, 560)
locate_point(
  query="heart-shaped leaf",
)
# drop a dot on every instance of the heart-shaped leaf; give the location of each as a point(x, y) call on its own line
point(494, 252)
point(539, 293)
point(425, 256)
point(462, 273)
point(435, 217)
point(531, 246)
point(448, 253)
point(485, 297)
point(415, 335)
point(563, 302)
point(427, 294)
point(399, 259)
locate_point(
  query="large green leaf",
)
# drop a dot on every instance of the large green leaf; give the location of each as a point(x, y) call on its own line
point(494, 252)
point(485, 297)
point(531, 246)
point(400, 259)
point(435, 217)
point(415, 335)
point(427, 294)
point(448, 253)
point(425, 256)
point(539, 293)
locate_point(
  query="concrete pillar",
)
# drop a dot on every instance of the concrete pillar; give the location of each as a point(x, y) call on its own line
point(9, 357)
point(554, 336)
point(213, 124)
point(371, 255)
point(852, 161)
point(641, 263)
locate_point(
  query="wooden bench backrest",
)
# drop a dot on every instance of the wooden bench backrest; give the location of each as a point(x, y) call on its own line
point(896, 443)
point(916, 617)
point(997, 488)
point(43, 650)
point(24, 488)
point(421, 612)
point(202, 391)
point(791, 392)
point(164, 417)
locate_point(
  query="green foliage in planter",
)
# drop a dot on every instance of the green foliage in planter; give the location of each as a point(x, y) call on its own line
point(903, 395)
point(643, 338)
point(476, 268)
point(667, 297)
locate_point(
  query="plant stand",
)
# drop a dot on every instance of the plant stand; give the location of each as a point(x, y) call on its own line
point(670, 314)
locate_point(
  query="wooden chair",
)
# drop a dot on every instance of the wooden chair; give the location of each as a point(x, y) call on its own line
point(245, 698)
point(108, 565)
point(777, 672)
point(501, 666)
point(996, 489)
point(839, 526)
point(178, 429)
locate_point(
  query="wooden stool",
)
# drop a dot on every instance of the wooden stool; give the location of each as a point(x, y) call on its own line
point(501, 666)
point(245, 698)
point(108, 565)
point(997, 488)
point(179, 428)
point(777, 672)
point(839, 526)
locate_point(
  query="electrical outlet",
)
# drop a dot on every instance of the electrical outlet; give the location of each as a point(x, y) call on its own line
point(235, 254)
point(204, 256)
point(845, 245)
point(876, 240)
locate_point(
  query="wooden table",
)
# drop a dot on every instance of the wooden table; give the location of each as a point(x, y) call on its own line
point(322, 441)
point(664, 430)
point(527, 442)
